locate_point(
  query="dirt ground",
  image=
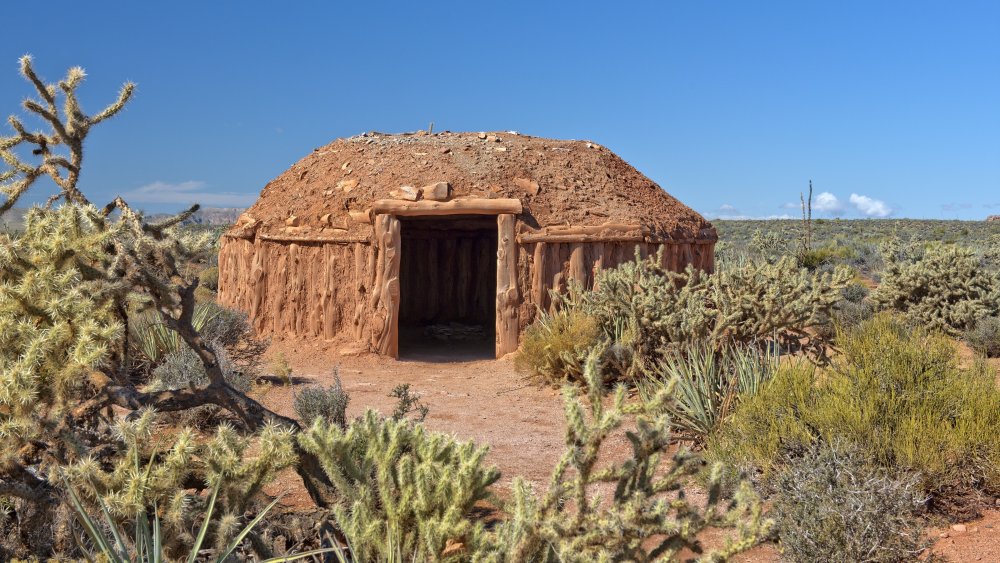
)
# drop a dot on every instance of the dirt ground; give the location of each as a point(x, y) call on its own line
point(486, 400)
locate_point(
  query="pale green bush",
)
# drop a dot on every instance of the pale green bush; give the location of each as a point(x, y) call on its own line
point(326, 403)
point(984, 337)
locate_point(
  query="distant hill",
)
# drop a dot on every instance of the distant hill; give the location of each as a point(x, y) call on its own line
point(206, 216)
point(13, 220)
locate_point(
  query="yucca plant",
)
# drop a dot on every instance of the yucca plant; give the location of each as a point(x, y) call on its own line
point(145, 544)
point(708, 383)
point(153, 339)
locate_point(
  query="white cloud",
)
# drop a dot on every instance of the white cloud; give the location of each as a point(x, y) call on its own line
point(870, 207)
point(192, 191)
point(727, 207)
point(826, 202)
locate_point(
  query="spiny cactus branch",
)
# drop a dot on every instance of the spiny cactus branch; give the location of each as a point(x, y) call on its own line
point(68, 129)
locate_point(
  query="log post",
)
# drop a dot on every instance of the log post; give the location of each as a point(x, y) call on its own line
point(577, 264)
point(507, 294)
point(539, 289)
point(385, 293)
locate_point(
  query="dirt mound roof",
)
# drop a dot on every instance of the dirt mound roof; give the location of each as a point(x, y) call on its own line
point(559, 182)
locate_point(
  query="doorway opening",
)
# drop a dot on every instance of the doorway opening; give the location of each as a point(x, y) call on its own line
point(448, 282)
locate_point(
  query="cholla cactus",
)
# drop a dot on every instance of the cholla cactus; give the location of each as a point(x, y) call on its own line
point(66, 286)
point(946, 289)
point(151, 473)
point(647, 517)
point(402, 489)
point(753, 302)
point(68, 129)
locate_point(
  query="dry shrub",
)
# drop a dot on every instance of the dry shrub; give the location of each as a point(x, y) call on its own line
point(898, 395)
point(984, 337)
point(831, 505)
point(326, 403)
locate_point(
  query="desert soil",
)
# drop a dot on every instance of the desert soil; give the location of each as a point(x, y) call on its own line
point(487, 401)
point(559, 182)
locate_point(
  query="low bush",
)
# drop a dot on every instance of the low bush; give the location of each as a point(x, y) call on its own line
point(945, 289)
point(898, 395)
point(984, 337)
point(831, 505)
point(553, 347)
point(825, 255)
point(326, 403)
point(209, 278)
point(708, 384)
point(281, 368)
point(407, 403)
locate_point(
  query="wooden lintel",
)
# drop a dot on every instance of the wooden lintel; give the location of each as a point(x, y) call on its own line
point(316, 240)
point(528, 238)
point(472, 206)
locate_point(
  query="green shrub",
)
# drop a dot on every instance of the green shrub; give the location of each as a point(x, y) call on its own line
point(831, 505)
point(402, 488)
point(708, 384)
point(553, 347)
point(326, 403)
point(281, 368)
point(407, 402)
point(209, 278)
point(984, 337)
point(825, 255)
point(570, 522)
point(897, 394)
point(945, 289)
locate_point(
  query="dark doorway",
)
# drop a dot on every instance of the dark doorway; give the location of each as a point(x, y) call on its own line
point(448, 280)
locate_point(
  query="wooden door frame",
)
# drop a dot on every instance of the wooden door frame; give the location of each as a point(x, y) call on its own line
point(384, 300)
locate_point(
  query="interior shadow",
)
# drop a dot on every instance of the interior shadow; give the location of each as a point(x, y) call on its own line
point(447, 278)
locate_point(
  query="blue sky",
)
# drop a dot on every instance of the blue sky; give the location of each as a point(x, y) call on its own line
point(891, 108)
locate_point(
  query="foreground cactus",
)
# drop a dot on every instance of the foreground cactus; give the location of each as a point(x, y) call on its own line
point(402, 488)
point(647, 517)
point(68, 284)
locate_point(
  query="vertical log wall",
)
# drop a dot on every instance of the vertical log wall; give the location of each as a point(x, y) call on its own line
point(350, 289)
